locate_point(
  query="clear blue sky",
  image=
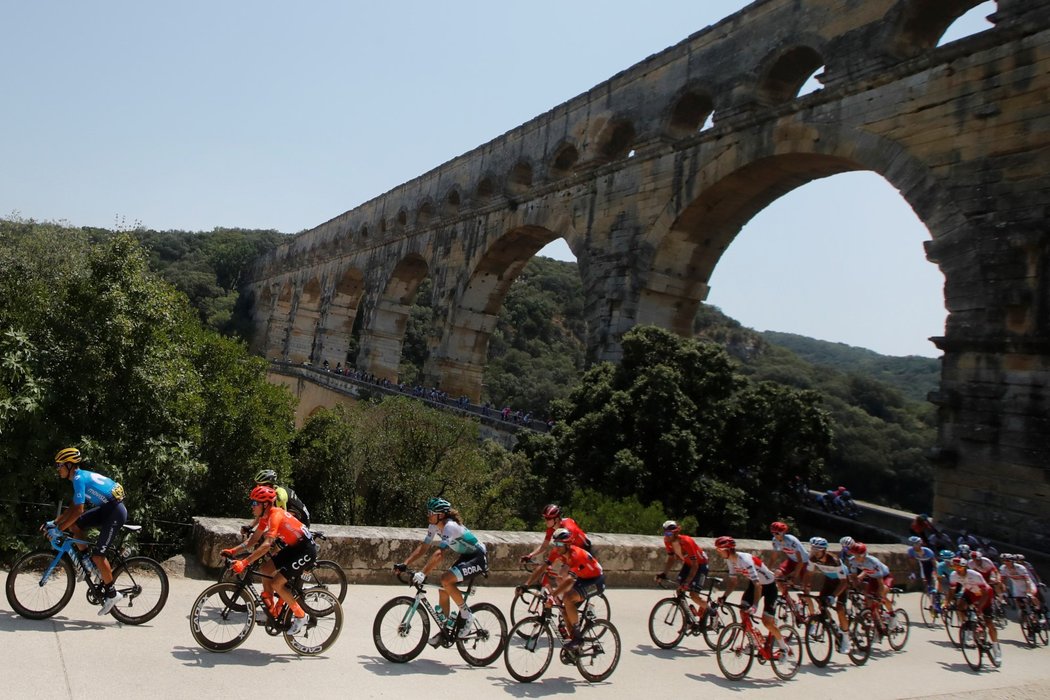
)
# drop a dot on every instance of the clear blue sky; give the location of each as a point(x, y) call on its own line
point(266, 114)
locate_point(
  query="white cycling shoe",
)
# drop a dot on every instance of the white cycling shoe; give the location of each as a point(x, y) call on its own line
point(108, 603)
point(297, 625)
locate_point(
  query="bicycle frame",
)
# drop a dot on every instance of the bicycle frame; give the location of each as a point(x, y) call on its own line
point(66, 545)
point(422, 600)
point(763, 642)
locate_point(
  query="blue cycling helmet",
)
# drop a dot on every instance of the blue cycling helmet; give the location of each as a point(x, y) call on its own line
point(945, 554)
point(438, 505)
point(818, 542)
point(914, 539)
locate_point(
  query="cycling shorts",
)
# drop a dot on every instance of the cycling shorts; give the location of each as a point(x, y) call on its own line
point(769, 596)
point(294, 559)
point(697, 585)
point(828, 589)
point(871, 584)
point(470, 565)
point(108, 518)
point(982, 602)
point(788, 567)
point(589, 587)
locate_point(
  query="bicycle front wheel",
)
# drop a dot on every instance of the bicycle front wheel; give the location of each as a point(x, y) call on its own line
point(401, 629)
point(820, 641)
point(220, 626)
point(598, 608)
point(599, 651)
point(861, 637)
point(144, 585)
point(897, 634)
point(526, 603)
point(953, 620)
point(714, 624)
point(667, 623)
point(736, 652)
point(32, 596)
point(971, 640)
point(482, 639)
point(328, 575)
point(785, 664)
point(529, 649)
point(324, 621)
point(929, 615)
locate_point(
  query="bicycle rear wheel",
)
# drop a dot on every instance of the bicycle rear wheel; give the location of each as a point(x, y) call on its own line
point(321, 628)
point(736, 652)
point(529, 649)
point(326, 574)
point(714, 624)
point(820, 641)
point(401, 629)
point(785, 665)
point(217, 625)
point(144, 585)
point(971, 640)
point(485, 635)
point(599, 651)
point(33, 597)
point(897, 635)
point(667, 623)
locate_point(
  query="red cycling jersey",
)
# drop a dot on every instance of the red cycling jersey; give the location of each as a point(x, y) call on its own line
point(579, 537)
point(280, 524)
point(581, 564)
point(691, 551)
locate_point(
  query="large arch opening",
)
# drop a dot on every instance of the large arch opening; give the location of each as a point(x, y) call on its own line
point(340, 319)
point(382, 340)
point(923, 25)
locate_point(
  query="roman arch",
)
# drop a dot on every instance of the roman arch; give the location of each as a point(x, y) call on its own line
point(648, 197)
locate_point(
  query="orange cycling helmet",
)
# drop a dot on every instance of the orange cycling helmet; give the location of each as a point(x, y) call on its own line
point(778, 528)
point(263, 494)
point(858, 548)
point(725, 542)
point(551, 511)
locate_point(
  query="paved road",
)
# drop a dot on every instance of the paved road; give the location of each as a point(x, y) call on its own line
point(79, 655)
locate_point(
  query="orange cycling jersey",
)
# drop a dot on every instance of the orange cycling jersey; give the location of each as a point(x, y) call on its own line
point(691, 551)
point(581, 563)
point(579, 537)
point(280, 524)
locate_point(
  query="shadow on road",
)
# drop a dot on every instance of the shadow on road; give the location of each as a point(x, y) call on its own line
point(670, 654)
point(964, 667)
point(12, 622)
point(381, 667)
point(540, 688)
point(740, 686)
point(197, 657)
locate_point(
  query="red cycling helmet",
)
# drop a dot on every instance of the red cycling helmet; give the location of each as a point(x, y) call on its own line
point(725, 542)
point(263, 494)
point(551, 511)
point(778, 528)
point(858, 548)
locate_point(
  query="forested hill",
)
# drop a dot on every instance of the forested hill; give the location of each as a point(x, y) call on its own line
point(914, 376)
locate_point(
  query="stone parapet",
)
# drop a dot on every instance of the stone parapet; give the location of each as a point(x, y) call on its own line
point(368, 553)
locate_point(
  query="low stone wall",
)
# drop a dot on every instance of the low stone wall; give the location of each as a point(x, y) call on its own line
point(368, 553)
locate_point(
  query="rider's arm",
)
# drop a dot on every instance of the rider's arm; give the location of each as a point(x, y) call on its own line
point(69, 516)
point(260, 551)
point(543, 545)
point(433, 561)
point(667, 565)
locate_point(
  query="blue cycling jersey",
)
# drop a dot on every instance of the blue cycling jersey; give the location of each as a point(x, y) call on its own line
point(925, 554)
point(95, 489)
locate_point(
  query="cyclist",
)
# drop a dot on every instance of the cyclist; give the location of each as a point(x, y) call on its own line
point(924, 558)
point(286, 497)
point(763, 584)
point(694, 564)
point(1019, 584)
point(845, 543)
point(107, 512)
point(584, 579)
point(276, 526)
point(553, 515)
point(445, 524)
point(944, 572)
point(971, 589)
point(986, 567)
point(833, 589)
point(871, 574)
point(793, 568)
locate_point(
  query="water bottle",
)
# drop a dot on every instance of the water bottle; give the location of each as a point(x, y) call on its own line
point(90, 568)
point(440, 614)
point(562, 630)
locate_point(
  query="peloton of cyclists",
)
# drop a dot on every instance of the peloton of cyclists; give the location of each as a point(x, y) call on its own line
point(694, 569)
point(445, 531)
point(763, 584)
point(107, 512)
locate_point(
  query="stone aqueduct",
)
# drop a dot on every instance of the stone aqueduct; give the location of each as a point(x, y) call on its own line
point(648, 199)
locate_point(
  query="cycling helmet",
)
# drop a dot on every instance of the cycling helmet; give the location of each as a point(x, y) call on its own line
point(68, 455)
point(945, 554)
point(858, 548)
point(725, 542)
point(438, 505)
point(1007, 557)
point(975, 554)
point(263, 494)
point(914, 539)
point(778, 528)
point(1019, 557)
point(818, 542)
point(964, 550)
point(266, 476)
point(922, 517)
point(958, 562)
point(846, 542)
point(561, 537)
point(671, 528)
point(551, 511)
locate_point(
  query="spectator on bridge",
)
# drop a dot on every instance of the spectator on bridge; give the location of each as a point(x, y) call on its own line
point(325, 366)
point(338, 367)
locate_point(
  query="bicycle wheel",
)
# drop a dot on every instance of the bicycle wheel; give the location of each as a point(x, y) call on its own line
point(227, 576)
point(953, 620)
point(324, 622)
point(714, 624)
point(897, 635)
point(999, 614)
point(401, 629)
point(523, 603)
point(929, 615)
point(33, 597)
point(820, 640)
point(485, 634)
point(529, 649)
point(861, 637)
point(667, 623)
point(328, 575)
point(217, 625)
point(599, 651)
point(970, 635)
point(785, 665)
point(736, 652)
point(1042, 628)
point(1028, 627)
point(144, 585)
point(598, 608)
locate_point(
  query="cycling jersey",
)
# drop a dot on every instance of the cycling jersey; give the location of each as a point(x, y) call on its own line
point(282, 525)
point(1017, 579)
point(456, 537)
point(829, 565)
point(578, 536)
point(580, 563)
point(750, 566)
point(94, 489)
point(792, 548)
point(869, 567)
point(691, 551)
point(944, 569)
point(921, 554)
point(970, 581)
point(289, 501)
point(982, 565)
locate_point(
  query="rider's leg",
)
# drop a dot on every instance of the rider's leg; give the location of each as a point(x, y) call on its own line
point(284, 594)
point(449, 589)
point(571, 599)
